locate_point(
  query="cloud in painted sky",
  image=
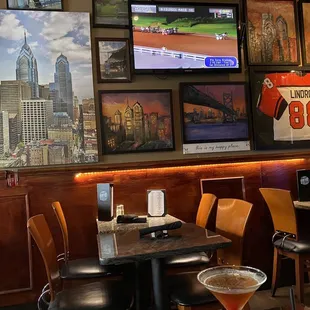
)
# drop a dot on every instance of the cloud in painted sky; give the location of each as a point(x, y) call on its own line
point(11, 27)
point(48, 34)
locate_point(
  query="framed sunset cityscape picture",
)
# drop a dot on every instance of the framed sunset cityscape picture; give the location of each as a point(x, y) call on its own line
point(136, 121)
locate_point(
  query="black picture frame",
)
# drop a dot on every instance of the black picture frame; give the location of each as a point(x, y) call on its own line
point(303, 32)
point(35, 9)
point(250, 37)
point(127, 76)
point(108, 135)
point(107, 24)
point(263, 125)
point(247, 110)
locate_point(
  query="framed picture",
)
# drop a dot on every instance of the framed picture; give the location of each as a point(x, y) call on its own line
point(111, 13)
point(113, 60)
point(214, 117)
point(136, 121)
point(272, 32)
point(47, 112)
point(280, 107)
point(305, 31)
point(46, 5)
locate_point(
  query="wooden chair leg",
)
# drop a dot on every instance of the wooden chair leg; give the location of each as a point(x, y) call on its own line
point(276, 271)
point(299, 274)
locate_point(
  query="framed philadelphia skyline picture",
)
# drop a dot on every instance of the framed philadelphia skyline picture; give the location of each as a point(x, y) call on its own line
point(280, 100)
point(136, 121)
point(272, 32)
point(46, 5)
point(47, 112)
point(113, 60)
point(214, 117)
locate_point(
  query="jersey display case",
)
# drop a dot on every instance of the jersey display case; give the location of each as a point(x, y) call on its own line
point(280, 107)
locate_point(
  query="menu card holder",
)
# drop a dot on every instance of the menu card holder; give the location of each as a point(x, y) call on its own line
point(105, 201)
point(156, 202)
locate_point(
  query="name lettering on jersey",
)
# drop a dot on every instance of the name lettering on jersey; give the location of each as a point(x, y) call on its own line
point(291, 93)
point(297, 94)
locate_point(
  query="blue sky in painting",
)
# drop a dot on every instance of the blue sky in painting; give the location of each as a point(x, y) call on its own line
point(48, 34)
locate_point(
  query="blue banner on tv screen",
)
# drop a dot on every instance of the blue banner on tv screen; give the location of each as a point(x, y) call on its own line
point(221, 62)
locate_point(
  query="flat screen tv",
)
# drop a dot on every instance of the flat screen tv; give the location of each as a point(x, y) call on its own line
point(185, 37)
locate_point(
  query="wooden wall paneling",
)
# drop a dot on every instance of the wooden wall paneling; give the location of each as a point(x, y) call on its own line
point(224, 187)
point(15, 245)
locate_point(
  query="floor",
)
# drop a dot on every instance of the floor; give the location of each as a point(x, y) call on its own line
point(260, 301)
point(263, 300)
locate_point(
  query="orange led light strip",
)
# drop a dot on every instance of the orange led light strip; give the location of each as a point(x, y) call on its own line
point(86, 175)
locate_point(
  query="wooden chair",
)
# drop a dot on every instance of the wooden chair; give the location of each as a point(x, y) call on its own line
point(231, 222)
point(206, 206)
point(286, 241)
point(99, 295)
point(226, 225)
point(84, 268)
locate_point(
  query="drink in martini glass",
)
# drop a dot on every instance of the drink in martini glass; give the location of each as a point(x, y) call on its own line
point(233, 286)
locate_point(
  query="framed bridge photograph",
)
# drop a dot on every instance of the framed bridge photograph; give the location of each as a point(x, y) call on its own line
point(280, 107)
point(214, 117)
point(272, 32)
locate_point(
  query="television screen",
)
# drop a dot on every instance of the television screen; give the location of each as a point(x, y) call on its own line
point(185, 37)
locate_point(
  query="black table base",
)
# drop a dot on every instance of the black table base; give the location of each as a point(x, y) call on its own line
point(161, 298)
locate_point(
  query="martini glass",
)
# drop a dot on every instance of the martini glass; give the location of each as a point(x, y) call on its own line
point(233, 286)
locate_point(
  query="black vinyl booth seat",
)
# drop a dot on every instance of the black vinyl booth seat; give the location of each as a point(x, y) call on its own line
point(192, 259)
point(299, 247)
point(87, 268)
point(186, 290)
point(107, 295)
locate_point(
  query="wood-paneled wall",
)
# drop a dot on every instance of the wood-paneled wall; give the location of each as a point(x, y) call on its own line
point(77, 193)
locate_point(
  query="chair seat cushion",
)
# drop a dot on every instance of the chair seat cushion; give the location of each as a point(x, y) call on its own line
point(87, 268)
point(186, 290)
point(187, 260)
point(293, 246)
point(105, 295)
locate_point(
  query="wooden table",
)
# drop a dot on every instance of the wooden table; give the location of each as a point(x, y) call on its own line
point(125, 246)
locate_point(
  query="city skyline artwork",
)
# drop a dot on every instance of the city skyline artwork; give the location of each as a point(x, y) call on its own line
point(136, 121)
point(47, 114)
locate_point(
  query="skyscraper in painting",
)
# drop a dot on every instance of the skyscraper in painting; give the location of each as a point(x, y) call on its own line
point(63, 84)
point(37, 115)
point(42, 121)
point(27, 69)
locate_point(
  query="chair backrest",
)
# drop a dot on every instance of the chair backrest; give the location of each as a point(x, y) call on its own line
point(63, 225)
point(281, 207)
point(206, 206)
point(231, 222)
point(42, 236)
